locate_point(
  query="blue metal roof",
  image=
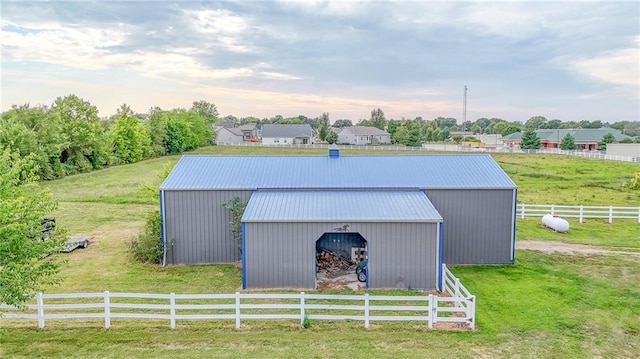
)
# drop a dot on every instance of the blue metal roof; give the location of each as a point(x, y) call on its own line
point(336, 205)
point(290, 172)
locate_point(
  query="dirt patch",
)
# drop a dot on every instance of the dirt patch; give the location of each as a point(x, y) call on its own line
point(567, 248)
point(339, 280)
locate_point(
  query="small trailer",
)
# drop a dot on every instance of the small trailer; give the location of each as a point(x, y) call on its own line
point(74, 242)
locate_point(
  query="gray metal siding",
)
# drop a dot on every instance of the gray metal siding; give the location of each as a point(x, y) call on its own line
point(283, 254)
point(478, 225)
point(197, 226)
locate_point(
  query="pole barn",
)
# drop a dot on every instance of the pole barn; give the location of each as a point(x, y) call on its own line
point(409, 214)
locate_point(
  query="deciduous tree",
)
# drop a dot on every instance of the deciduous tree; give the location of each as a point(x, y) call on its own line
point(131, 143)
point(535, 123)
point(207, 110)
point(25, 261)
point(606, 139)
point(377, 119)
point(87, 147)
point(331, 137)
point(323, 129)
point(342, 123)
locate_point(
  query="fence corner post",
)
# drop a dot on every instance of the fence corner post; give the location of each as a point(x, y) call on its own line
point(237, 310)
point(522, 211)
point(40, 309)
point(472, 310)
point(107, 310)
point(172, 309)
point(444, 278)
point(366, 310)
point(302, 311)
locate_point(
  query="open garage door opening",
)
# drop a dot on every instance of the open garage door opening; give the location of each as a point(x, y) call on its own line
point(341, 261)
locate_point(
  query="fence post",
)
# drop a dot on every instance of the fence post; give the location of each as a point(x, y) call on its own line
point(457, 292)
point(553, 209)
point(581, 212)
point(610, 214)
point(107, 310)
point(40, 308)
point(638, 214)
point(430, 315)
point(522, 211)
point(237, 310)
point(472, 310)
point(366, 310)
point(444, 278)
point(302, 314)
point(172, 309)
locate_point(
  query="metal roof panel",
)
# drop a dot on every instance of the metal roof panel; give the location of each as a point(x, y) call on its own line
point(290, 172)
point(336, 205)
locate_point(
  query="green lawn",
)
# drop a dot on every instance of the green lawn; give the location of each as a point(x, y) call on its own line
point(553, 306)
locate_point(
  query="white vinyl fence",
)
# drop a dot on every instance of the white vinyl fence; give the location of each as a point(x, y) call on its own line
point(447, 147)
point(581, 212)
point(458, 308)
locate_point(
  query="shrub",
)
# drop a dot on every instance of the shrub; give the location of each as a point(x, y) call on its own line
point(236, 207)
point(634, 183)
point(147, 246)
point(306, 322)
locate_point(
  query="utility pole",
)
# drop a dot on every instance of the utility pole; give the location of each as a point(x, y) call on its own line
point(464, 108)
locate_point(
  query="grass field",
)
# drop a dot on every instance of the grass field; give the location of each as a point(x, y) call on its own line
point(553, 306)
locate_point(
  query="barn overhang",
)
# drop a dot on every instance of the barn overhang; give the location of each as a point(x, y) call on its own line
point(340, 205)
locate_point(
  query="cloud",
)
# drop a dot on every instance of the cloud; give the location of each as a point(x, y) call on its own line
point(222, 28)
point(417, 53)
point(620, 67)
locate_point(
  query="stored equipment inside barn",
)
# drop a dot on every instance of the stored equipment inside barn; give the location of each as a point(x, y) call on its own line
point(406, 214)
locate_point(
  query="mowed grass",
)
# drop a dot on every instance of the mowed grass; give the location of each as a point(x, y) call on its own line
point(553, 306)
point(554, 179)
point(621, 235)
point(544, 306)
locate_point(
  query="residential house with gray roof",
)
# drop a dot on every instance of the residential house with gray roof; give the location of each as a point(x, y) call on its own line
point(363, 135)
point(287, 134)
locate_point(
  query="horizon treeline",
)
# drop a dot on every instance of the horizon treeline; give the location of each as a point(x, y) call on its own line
point(69, 137)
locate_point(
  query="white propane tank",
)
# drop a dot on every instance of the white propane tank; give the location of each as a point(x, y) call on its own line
point(556, 223)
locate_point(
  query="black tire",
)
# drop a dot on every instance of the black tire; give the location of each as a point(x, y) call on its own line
point(362, 276)
point(85, 244)
point(358, 270)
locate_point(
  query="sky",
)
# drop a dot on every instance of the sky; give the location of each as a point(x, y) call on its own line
point(567, 60)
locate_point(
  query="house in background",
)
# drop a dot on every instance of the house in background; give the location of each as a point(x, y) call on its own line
point(363, 135)
point(585, 138)
point(276, 134)
point(250, 132)
point(229, 135)
point(226, 124)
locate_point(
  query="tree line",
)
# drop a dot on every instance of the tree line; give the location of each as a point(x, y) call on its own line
point(415, 132)
point(69, 137)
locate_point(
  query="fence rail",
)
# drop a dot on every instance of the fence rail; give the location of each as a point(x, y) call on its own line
point(238, 307)
point(444, 147)
point(581, 212)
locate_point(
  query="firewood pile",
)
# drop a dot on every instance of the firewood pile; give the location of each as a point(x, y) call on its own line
point(333, 262)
